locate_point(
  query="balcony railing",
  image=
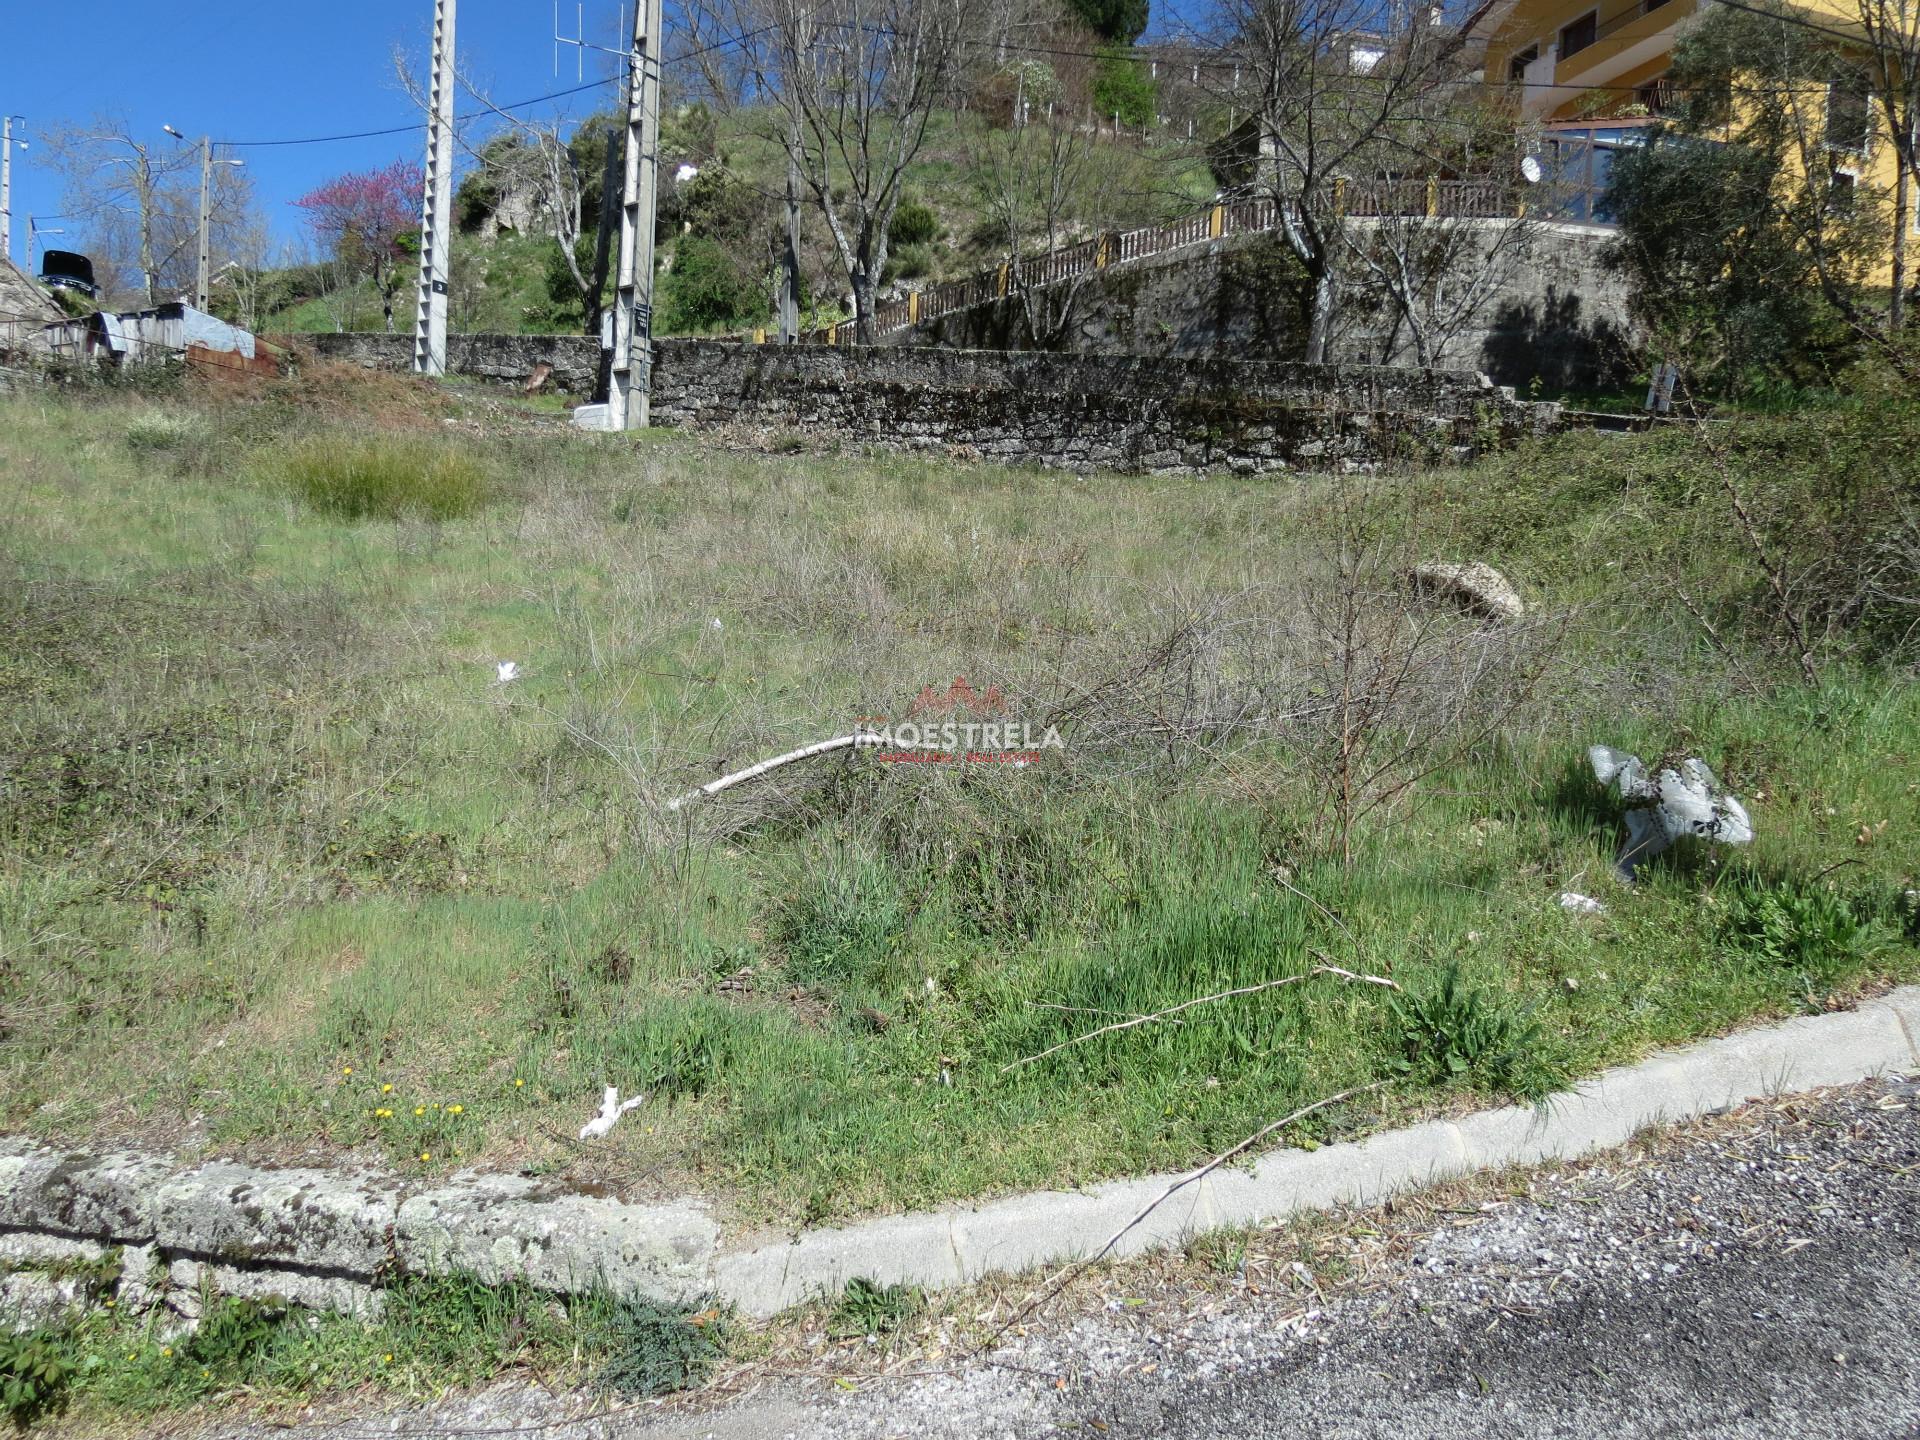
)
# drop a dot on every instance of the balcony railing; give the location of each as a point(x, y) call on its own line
point(1627, 17)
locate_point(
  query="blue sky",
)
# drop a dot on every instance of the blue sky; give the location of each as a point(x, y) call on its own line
point(250, 70)
point(253, 70)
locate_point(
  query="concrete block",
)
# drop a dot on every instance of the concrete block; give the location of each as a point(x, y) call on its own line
point(897, 1250)
point(1905, 1005)
point(501, 1227)
point(106, 1197)
point(237, 1215)
point(190, 1284)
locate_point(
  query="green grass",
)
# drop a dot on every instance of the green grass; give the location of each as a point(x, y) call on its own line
point(272, 841)
point(433, 1334)
point(387, 477)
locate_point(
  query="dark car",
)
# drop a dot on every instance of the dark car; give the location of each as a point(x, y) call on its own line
point(64, 270)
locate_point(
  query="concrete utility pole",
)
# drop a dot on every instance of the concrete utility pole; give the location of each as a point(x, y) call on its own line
point(6, 187)
point(436, 204)
point(790, 263)
point(203, 282)
point(203, 262)
point(630, 393)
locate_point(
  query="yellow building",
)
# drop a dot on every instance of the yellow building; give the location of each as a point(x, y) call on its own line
point(1593, 77)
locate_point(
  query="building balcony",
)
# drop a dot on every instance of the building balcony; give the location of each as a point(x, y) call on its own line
point(1624, 41)
point(1614, 44)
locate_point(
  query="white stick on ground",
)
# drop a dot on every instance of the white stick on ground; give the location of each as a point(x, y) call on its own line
point(1068, 1275)
point(1334, 970)
point(754, 772)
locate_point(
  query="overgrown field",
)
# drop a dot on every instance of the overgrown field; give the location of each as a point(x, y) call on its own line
point(283, 867)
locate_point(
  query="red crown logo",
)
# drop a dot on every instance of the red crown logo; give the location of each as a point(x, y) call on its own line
point(958, 696)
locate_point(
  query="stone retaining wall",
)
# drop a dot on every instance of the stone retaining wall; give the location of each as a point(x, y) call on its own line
point(507, 358)
point(1068, 411)
point(322, 1238)
point(1092, 412)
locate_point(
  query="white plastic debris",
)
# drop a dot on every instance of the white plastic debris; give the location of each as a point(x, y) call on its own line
point(612, 1107)
point(506, 672)
point(714, 624)
point(1681, 802)
point(1581, 904)
point(686, 172)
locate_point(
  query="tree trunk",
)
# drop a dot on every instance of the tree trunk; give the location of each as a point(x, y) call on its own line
point(863, 287)
point(1320, 323)
point(1902, 218)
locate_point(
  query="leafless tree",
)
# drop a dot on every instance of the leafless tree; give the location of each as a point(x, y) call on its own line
point(1037, 182)
point(141, 201)
point(532, 158)
point(1331, 100)
point(1409, 685)
point(1892, 65)
point(851, 87)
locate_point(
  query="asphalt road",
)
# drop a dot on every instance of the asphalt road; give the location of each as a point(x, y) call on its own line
point(1752, 1276)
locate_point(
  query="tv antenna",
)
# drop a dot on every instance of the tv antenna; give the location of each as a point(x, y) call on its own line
point(578, 40)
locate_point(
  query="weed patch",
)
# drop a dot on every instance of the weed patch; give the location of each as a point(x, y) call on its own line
point(1815, 937)
point(1452, 1031)
point(389, 477)
point(867, 1307)
point(654, 1349)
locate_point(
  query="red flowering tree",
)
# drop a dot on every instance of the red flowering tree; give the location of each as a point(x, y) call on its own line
point(370, 220)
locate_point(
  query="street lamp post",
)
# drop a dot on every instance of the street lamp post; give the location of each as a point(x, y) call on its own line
point(34, 231)
point(7, 142)
point(202, 285)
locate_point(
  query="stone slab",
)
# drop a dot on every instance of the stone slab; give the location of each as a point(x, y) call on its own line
point(314, 1219)
point(500, 1227)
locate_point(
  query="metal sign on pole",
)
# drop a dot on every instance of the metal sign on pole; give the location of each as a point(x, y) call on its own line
point(630, 391)
point(436, 204)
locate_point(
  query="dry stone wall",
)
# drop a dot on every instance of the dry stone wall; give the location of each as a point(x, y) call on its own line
point(506, 358)
point(1066, 411)
point(1093, 412)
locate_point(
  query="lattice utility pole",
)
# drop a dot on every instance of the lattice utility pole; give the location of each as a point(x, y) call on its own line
point(6, 188)
point(630, 393)
point(436, 205)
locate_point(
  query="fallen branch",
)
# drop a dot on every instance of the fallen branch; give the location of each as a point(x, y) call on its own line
point(1204, 999)
point(1073, 1272)
point(754, 772)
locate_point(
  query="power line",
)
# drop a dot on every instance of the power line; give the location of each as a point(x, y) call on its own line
point(1226, 60)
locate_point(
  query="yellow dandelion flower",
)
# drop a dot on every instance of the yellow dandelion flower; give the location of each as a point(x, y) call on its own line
point(419, 1109)
point(166, 1350)
point(456, 1109)
point(386, 1359)
point(387, 1089)
point(425, 1156)
point(346, 1069)
point(518, 1084)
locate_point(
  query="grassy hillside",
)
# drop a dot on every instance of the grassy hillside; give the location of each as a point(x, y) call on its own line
point(273, 839)
point(502, 285)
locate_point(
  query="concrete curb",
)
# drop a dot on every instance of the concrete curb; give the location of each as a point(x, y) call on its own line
point(959, 1245)
point(333, 1239)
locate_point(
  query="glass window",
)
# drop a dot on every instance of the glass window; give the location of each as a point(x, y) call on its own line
point(1849, 113)
point(1580, 34)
